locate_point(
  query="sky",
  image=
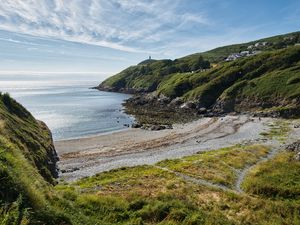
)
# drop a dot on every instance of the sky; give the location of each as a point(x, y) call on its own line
point(106, 36)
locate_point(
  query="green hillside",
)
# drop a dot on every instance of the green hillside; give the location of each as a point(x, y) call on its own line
point(265, 79)
point(146, 76)
point(270, 78)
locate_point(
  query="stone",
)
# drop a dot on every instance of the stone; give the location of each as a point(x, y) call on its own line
point(169, 126)
point(188, 105)
point(136, 125)
point(202, 110)
point(70, 170)
point(157, 127)
point(176, 102)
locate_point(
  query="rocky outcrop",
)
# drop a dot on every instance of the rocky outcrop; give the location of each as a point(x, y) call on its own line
point(294, 147)
point(52, 158)
point(119, 90)
point(224, 105)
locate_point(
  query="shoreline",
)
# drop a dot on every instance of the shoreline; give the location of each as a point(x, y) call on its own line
point(93, 135)
point(131, 147)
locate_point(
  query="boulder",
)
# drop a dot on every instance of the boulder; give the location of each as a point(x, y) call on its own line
point(164, 99)
point(188, 105)
point(202, 110)
point(176, 102)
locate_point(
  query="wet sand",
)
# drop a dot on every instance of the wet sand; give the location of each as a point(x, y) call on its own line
point(88, 156)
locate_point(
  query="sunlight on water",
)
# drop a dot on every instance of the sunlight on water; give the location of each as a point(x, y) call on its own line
point(68, 106)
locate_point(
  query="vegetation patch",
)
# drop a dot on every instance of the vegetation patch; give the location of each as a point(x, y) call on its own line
point(277, 178)
point(279, 130)
point(218, 166)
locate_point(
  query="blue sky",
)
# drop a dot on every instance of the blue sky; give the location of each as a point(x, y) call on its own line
point(105, 36)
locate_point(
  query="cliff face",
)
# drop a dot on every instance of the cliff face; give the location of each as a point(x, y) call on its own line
point(27, 166)
point(29, 137)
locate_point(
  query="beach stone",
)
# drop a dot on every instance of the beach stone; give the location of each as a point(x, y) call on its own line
point(188, 105)
point(202, 110)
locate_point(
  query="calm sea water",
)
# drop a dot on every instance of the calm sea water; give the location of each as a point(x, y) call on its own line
point(68, 106)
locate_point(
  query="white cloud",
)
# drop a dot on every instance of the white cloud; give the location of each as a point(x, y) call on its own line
point(126, 25)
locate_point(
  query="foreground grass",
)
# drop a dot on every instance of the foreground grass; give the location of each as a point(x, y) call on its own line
point(276, 178)
point(151, 195)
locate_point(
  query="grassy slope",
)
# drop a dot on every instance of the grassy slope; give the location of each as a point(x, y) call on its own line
point(277, 42)
point(27, 166)
point(269, 77)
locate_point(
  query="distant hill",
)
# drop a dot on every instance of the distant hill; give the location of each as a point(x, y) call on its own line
point(147, 75)
point(264, 75)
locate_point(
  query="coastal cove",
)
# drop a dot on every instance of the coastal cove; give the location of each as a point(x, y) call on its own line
point(149, 112)
point(70, 108)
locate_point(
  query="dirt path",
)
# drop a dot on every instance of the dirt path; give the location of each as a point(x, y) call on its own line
point(243, 173)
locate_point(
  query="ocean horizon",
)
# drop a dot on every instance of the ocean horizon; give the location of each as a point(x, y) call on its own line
point(67, 104)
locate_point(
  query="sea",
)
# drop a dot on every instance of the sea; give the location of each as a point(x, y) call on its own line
point(67, 104)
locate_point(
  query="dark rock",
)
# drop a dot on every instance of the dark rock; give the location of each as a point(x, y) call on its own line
point(169, 126)
point(224, 106)
point(294, 147)
point(157, 127)
point(70, 170)
point(136, 125)
point(176, 102)
point(297, 126)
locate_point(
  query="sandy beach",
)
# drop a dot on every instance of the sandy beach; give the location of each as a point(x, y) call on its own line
point(88, 156)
